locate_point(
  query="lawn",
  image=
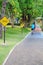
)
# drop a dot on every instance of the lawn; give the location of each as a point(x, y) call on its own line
point(13, 36)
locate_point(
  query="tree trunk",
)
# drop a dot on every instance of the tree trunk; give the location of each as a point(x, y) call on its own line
point(24, 19)
point(2, 15)
point(12, 20)
point(29, 18)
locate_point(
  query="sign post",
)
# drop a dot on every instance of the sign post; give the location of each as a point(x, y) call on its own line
point(4, 21)
point(4, 34)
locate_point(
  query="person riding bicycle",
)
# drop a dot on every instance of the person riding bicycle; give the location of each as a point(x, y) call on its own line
point(33, 26)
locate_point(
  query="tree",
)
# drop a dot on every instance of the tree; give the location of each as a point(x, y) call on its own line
point(12, 10)
point(26, 9)
point(31, 8)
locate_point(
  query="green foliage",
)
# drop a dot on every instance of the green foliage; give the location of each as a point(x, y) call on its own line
point(32, 7)
point(15, 6)
point(37, 8)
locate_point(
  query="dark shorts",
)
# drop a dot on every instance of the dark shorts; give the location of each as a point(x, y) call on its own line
point(32, 28)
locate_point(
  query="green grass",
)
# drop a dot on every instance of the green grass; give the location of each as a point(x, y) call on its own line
point(13, 36)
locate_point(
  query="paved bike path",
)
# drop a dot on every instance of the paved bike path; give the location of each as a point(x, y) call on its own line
point(28, 52)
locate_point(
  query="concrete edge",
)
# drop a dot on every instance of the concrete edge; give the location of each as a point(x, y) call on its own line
point(13, 49)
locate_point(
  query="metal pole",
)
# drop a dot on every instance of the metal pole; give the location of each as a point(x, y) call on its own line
point(4, 34)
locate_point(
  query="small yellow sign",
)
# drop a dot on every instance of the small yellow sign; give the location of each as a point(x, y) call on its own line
point(22, 25)
point(4, 21)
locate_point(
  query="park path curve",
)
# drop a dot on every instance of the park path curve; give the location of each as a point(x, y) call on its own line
point(28, 52)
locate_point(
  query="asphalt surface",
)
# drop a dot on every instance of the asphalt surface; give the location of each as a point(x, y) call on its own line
point(28, 52)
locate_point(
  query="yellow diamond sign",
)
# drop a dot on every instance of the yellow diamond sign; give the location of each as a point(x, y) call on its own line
point(4, 21)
